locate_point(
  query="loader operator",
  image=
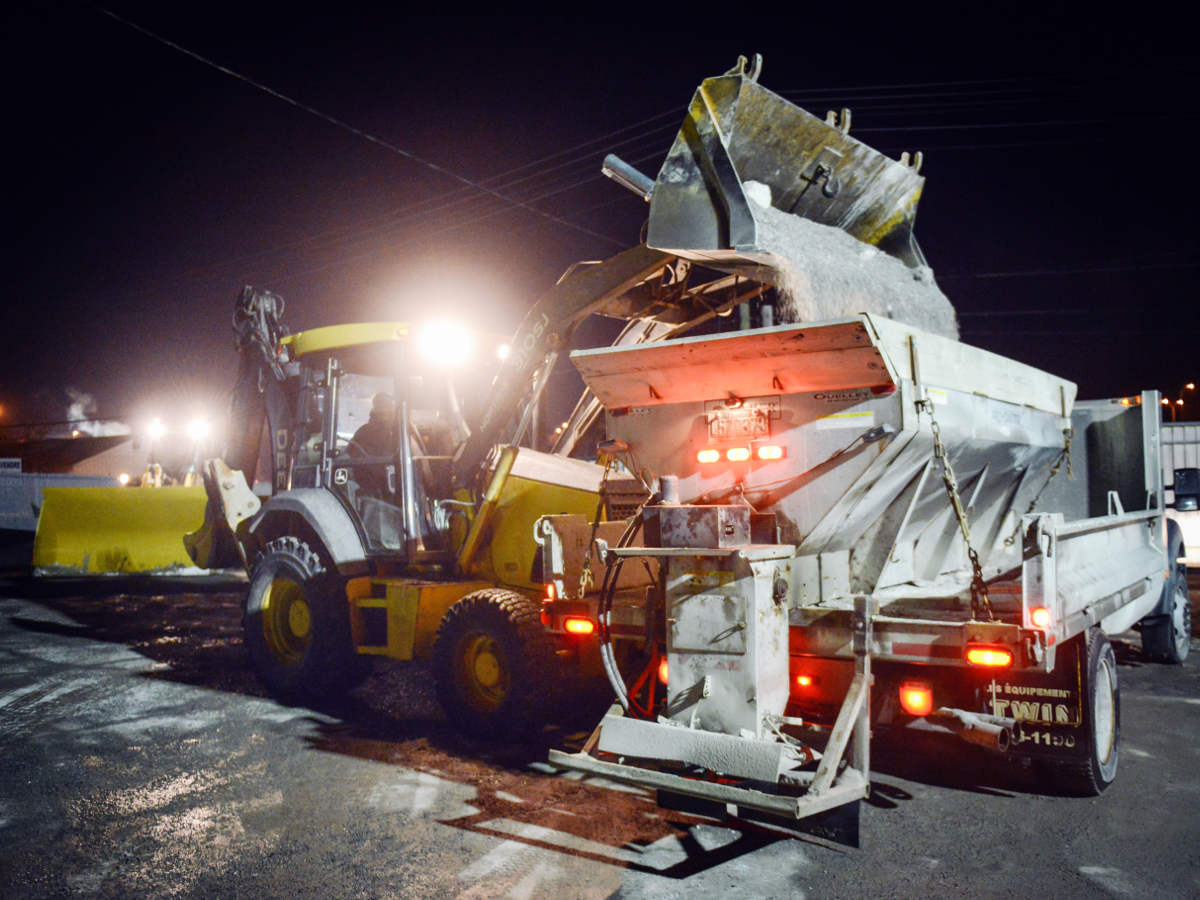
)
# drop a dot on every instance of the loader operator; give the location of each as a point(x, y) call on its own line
point(376, 439)
point(378, 435)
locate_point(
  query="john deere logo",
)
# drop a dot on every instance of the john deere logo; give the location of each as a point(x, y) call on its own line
point(341, 476)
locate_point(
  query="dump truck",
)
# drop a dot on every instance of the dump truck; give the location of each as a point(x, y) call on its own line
point(855, 524)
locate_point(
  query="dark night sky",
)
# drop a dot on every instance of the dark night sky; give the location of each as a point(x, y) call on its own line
point(145, 187)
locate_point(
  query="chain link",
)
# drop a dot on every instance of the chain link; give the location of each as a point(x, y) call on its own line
point(979, 592)
point(1068, 433)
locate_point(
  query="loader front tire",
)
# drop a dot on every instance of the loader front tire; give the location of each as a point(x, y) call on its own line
point(1101, 725)
point(495, 667)
point(297, 625)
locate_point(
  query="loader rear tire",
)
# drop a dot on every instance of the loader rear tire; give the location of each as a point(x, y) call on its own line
point(1100, 707)
point(1168, 637)
point(495, 667)
point(297, 625)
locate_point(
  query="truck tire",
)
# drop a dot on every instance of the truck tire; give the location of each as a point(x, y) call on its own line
point(495, 667)
point(1100, 707)
point(297, 625)
point(1167, 636)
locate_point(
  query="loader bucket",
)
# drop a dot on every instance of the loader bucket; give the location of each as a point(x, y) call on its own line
point(742, 143)
point(90, 531)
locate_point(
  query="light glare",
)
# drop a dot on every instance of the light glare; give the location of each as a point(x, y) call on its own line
point(198, 429)
point(445, 344)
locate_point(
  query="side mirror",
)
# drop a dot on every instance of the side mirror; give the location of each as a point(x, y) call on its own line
point(1187, 490)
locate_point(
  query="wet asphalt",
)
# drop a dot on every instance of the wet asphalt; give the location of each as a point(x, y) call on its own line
point(138, 758)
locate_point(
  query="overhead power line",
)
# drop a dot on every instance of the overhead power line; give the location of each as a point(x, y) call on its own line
point(441, 170)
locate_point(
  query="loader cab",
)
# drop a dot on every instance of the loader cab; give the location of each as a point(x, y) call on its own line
point(377, 423)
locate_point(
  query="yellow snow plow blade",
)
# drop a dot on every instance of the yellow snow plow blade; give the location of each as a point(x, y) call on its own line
point(94, 530)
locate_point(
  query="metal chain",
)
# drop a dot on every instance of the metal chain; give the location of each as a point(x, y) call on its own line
point(979, 592)
point(586, 581)
point(1068, 433)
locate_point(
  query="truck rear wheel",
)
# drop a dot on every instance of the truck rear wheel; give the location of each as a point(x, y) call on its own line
point(495, 667)
point(297, 625)
point(1100, 707)
point(1167, 638)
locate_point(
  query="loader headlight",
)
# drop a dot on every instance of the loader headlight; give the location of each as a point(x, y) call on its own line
point(445, 344)
point(198, 429)
point(156, 429)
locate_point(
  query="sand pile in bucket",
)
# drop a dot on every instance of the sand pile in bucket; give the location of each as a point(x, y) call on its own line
point(824, 273)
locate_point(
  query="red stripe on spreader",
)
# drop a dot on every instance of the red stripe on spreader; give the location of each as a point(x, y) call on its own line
point(928, 650)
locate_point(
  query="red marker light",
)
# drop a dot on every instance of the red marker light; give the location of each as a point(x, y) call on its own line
point(916, 698)
point(804, 681)
point(738, 454)
point(551, 594)
point(662, 671)
point(578, 625)
point(708, 456)
point(772, 452)
point(1040, 617)
point(994, 657)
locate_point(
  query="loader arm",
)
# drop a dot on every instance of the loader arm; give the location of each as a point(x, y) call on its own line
point(260, 394)
point(546, 329)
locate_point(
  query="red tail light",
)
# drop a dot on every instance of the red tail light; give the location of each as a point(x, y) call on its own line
point(916, 698)
point(994, 657)
point(578, 625)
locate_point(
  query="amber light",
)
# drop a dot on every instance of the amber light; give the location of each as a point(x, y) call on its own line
point(1040, 617)
point(772, 452)
point(662, 671)
point(708, 456)
point(551, 594)
point(989, 656)
point(578, 625)
point(737, 454)
point(916, 698)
